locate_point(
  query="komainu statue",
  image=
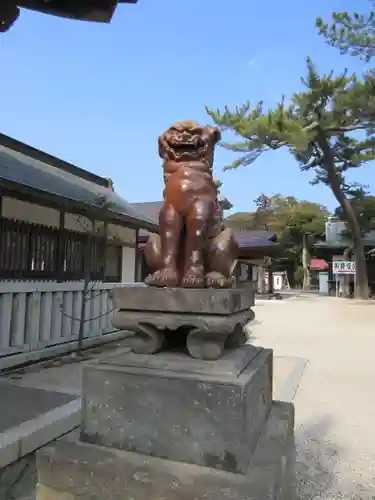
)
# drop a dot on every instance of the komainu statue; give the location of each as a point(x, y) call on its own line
point(193, 249)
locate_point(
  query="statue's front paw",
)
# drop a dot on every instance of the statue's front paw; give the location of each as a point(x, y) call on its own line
point(193, 277)
point(167, 277)
point(217, 280)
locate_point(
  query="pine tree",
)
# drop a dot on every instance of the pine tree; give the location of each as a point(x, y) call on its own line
point(351, 33)
point(317, 127)
point(364, 207)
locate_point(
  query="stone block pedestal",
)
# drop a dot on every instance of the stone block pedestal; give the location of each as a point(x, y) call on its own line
point(169, 427)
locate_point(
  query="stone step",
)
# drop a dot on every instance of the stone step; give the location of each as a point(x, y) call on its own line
point(84, 471)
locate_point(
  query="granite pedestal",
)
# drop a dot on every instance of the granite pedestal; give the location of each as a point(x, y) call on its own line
point(169, 427)
point(205, 321)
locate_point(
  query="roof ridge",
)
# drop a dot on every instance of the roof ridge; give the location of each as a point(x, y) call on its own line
point(51, 160)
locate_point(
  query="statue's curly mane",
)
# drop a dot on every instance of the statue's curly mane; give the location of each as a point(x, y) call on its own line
point(185, 124)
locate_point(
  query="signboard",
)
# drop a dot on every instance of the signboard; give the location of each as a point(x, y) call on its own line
point(343, 267)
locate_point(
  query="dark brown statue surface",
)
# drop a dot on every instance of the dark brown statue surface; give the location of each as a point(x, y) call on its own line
point(193, 249)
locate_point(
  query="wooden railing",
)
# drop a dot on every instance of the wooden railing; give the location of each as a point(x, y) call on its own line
point(37, 316)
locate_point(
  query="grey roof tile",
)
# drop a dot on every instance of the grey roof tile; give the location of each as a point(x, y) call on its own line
point(33, 173)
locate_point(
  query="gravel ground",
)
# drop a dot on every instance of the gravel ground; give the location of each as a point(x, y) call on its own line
point(335, 403)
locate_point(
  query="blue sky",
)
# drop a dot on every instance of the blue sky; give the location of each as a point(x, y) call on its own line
point(99, 95)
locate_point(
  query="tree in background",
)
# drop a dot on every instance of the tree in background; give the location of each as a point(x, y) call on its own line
point(317, 127)
point(351, 33)
point(364, 207)
point(301, 223)
point(297, 224)
point(263, 212)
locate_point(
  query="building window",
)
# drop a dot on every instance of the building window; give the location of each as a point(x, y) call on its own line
point(113, 263)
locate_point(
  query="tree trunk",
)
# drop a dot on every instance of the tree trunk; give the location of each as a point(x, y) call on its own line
point(335, 183)
point(86, 284)
point(306, 264)
point(361, 284)
point(361, 279)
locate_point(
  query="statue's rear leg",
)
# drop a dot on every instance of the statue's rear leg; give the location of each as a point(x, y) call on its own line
point(221, 257)
point(163, 252)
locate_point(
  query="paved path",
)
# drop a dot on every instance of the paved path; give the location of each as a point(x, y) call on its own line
point(335, 400)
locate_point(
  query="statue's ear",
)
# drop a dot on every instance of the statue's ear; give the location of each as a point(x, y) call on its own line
point(160, 147)
point(215, 135)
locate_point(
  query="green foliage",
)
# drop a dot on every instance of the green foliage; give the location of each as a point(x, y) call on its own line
point(317, 126)
point(286, 216)
point(351, 33)
point(364, 208)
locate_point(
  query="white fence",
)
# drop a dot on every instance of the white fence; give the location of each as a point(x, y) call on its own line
point(40, 319)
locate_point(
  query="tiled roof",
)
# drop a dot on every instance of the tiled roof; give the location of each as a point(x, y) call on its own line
point(149, 209)
point(343, 243)
point(255, 239)
point(22, 169)
point(94, 10)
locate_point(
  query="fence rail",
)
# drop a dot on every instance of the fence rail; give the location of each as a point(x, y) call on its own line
point(37, 316)
point(36, 252)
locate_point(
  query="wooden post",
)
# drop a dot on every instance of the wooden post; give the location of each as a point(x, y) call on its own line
point(59, 254)
point(137, 258)
point(260, 279)
point(270, 278)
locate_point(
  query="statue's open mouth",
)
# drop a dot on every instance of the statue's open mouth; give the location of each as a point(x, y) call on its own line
point(192, 148)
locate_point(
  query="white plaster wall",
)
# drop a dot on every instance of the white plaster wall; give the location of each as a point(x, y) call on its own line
point(30, 212)
point(125, 234)
point(79, 223)
point(128, 264)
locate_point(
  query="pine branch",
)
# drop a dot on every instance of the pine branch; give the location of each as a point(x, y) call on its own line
point(352, 34)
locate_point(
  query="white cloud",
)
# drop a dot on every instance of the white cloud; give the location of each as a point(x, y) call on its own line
point(254, 60)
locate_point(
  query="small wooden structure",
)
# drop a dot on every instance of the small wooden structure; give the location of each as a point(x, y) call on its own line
point(257, 252)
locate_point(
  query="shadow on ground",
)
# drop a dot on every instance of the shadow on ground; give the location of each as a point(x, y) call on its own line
point(319, 469)
point(316, 460)
point(18, 480)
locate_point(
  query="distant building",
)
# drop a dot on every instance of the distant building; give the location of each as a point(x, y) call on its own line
point(332, 249)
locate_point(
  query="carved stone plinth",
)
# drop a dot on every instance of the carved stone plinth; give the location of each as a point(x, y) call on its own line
point(205, 321)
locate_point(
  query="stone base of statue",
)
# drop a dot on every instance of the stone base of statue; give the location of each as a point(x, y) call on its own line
point(204, 321)
point(169, 427)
